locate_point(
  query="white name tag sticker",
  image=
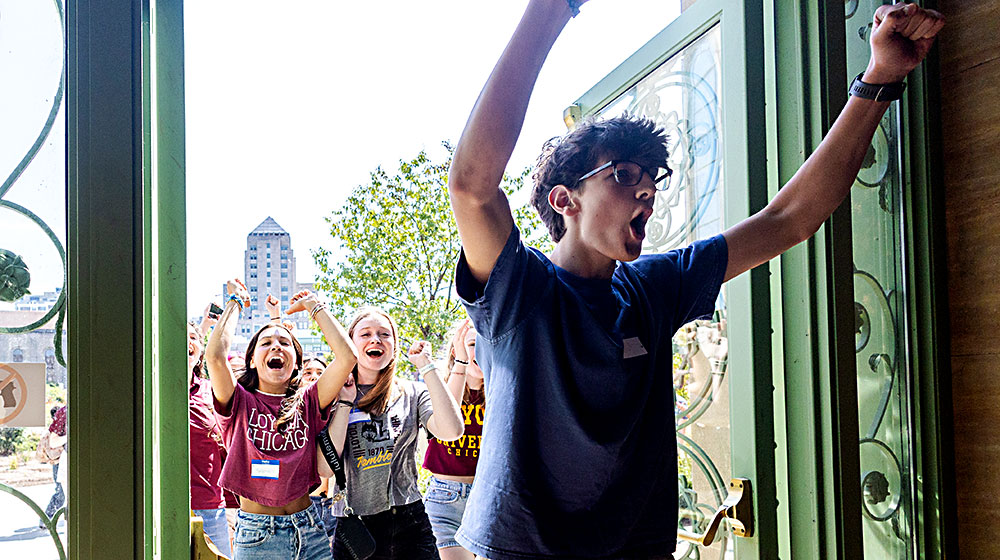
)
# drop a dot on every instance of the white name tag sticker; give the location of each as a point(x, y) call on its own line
point(632, 348)
point(262, 468)
point(358, 416)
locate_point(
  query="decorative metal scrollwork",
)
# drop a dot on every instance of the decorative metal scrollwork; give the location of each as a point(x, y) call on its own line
point(850, 6)
point(883, 488)
point(59, 308)
point(883, 483)
point(15, 279)
point(694, 150)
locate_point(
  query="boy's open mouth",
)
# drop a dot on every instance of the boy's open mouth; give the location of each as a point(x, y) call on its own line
point(638, 225)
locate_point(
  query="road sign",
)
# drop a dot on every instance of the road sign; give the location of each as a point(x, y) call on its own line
point(22, 395)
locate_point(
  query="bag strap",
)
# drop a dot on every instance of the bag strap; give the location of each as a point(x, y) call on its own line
point(330, 453)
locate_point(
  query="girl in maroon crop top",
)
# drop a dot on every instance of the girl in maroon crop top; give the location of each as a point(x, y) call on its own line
point(453, 463)
point(270, 421)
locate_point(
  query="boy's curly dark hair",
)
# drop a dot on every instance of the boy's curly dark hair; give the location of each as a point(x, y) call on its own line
point(593, 143)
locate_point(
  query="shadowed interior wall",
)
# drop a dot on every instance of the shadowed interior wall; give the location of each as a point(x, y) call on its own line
point(970, 109)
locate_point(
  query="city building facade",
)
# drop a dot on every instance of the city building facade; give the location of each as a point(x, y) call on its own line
point(269, 268)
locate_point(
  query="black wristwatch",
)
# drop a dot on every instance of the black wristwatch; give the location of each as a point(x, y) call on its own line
point(877, 92)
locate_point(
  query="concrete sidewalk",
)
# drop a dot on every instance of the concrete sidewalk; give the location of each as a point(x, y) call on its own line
point(20, 536)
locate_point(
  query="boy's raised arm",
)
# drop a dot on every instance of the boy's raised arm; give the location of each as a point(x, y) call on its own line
point(901, 36)
point(481, 209)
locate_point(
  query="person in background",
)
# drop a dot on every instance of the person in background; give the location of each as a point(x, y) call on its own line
point(270, 421)
point(207, 453)
point(321, 497)
point(57, 440)
point(378, 420)
point(453, 463)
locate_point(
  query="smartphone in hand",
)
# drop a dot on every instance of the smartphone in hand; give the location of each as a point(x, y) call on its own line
point(214, 311)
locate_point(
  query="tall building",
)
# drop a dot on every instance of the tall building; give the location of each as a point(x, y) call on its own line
point(269, 268)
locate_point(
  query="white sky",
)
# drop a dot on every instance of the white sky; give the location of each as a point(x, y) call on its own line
point(290, 106)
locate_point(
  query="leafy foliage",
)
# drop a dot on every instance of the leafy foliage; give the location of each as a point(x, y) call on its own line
point(55, 395)
point(398, 245)
point(14, 276)
point(10, 440)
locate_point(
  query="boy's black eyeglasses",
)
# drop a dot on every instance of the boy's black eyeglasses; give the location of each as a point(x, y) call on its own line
point(629, 174)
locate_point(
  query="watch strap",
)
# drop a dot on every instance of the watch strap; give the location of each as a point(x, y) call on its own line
point(876, 92)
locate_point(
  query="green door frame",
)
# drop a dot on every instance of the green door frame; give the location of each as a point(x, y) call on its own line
point(815, 365)
point(752, 427)
point(926, 272)
point(127, 301)
point(126, 281)
point(815, 373)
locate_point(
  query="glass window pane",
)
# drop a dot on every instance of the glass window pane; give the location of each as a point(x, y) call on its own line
point(879, 294)
point(32, 275)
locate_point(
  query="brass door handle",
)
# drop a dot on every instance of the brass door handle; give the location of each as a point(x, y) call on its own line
point(737, 508)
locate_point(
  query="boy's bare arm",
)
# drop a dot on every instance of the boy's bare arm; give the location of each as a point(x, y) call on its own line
point(481, 209)
point(901, 36)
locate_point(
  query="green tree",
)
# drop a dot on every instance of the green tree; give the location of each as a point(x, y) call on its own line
point(398, 245)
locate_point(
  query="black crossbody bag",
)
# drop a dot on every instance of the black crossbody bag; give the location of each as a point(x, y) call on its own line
point(351, 530)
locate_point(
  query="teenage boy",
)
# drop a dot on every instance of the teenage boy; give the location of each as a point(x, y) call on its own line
point(579, 451)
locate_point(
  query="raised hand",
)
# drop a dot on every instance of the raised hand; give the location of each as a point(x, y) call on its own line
point(238, 288)
point(902, 34)
point(419, 353)
point(302, 301)
point(209, 319)
point(458, 342)
point(273, 305)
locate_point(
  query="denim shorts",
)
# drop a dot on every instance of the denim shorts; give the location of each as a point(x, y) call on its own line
point(324, 504)
point(299, 536)
point(445, 503)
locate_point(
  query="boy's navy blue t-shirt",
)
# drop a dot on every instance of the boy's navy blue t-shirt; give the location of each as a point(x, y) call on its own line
point(579, 452)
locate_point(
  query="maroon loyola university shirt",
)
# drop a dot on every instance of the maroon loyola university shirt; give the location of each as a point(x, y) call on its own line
point(269, 466)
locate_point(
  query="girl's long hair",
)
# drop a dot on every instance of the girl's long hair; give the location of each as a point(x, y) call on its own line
point(199, 369)
point(376, 401)
point(294, 392)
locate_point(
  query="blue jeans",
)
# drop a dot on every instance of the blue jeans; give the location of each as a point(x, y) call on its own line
point(323, 506)
point(445, 503)
point(216, 528)
point(299, 536)
point(58, 497)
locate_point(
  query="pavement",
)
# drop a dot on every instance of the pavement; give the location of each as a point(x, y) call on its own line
point(20, 536)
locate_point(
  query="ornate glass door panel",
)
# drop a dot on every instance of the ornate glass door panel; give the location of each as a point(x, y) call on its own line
point(677, 81)
point(884, 393)
point(32, 266)
point(32, 192)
